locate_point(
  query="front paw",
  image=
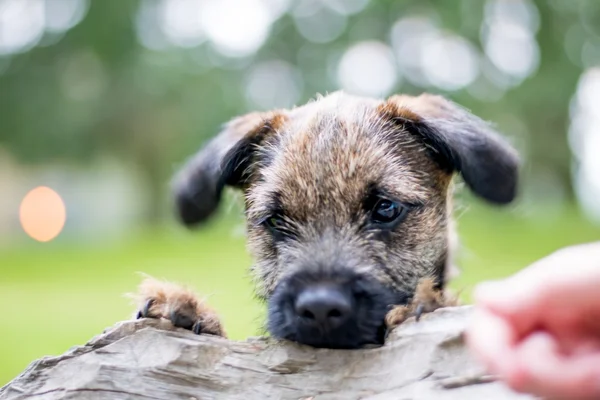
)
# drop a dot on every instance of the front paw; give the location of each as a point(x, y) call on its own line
point(159, 299)
point(427, 298)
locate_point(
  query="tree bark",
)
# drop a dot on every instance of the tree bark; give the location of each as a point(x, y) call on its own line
point(150, 359)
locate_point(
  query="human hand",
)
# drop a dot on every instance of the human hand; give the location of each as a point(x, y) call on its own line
point(539, 330)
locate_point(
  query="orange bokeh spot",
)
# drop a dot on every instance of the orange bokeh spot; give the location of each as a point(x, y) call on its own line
point(42, 214)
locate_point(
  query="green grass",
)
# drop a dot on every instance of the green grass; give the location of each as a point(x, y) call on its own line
point(60, 294)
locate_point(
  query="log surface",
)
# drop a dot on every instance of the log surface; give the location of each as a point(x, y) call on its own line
point(150, 359)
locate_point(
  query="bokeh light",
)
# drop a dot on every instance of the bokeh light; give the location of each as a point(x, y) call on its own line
point(409, 37)
point(508, 36)
point(346, 7)
point(181, 22)
point(236, 28)
point(62, 15)
point(584, 138)
point(21, 24)
point(368, 68)
point(318, 23)
point(42, 214)
point(273, 84)
point(451, 62)
point(24, 22)
point(83, 76)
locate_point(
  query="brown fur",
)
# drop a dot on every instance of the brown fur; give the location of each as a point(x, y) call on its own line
point(323, 152)
point(314, 167)
point(426, 299)
point(161, 299)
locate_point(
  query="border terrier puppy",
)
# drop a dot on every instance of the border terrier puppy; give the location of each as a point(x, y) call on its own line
point(348, 208)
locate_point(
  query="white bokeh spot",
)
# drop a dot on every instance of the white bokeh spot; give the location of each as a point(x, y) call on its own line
point(24, 22)
point(317, 23)
point(273, 84)
point(451, 62)
point(508, 37)
point(409, 36)
point(368, 68)
point(428, 56)
point(584, 139)
point(180, 22)
point(62, 15)
point(21, 25)
point(236, 28)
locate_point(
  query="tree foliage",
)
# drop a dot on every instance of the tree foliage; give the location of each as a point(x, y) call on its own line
point(96, 88)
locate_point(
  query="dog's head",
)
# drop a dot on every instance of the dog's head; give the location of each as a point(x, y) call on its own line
point(347, 204)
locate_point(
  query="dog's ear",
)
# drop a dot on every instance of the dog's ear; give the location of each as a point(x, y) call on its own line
point(227, 160)
point(460, 142)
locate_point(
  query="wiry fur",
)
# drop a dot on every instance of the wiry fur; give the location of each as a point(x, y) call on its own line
point(161, 299)
point(427, 298)
point(316, 167)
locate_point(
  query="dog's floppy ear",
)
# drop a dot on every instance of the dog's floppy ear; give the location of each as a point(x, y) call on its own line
point(460, 142)
point(227, 160)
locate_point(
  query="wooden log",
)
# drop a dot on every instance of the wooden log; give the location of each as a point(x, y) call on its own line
point(150, 359)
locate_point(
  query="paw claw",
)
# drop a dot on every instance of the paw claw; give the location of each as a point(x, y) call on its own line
point(419, 311)
point(197, 328)
point(145, 311)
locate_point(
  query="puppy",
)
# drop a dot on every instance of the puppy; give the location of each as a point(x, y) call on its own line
point(348, 209)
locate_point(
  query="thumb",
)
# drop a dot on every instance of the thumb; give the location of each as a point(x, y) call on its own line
point(567, 279)
point(512, 300)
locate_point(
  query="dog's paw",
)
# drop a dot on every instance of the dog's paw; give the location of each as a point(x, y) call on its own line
point(397, 315)
point(181, 306)
point(427, 298)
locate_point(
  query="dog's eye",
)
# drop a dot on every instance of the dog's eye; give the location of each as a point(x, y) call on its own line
point(280, 228)
point(275, 223)
point(387, 212)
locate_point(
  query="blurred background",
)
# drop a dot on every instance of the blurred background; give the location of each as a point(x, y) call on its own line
point(101, 101)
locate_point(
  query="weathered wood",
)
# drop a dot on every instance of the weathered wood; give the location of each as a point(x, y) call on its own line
point(149, 359)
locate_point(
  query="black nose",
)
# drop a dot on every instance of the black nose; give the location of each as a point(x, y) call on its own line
point(324, 305)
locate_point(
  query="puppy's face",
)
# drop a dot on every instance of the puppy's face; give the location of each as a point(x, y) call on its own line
point(347, 204)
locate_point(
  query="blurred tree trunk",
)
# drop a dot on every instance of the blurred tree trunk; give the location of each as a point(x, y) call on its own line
point(152, 169)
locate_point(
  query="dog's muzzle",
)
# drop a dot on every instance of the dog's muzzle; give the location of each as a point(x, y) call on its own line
point(331, 308)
